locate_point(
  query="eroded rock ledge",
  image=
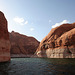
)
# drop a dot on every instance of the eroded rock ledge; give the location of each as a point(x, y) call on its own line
point(59, 43)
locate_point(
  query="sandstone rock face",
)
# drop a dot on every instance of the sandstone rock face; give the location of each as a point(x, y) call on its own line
point(59, 43)
point(4, 39)
point(22, 44)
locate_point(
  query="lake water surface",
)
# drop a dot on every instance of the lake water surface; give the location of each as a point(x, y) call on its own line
point(38, 66)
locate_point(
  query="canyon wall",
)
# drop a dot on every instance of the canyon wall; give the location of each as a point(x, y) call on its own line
point(4, 39)
point(22, 45)
point(59, 43)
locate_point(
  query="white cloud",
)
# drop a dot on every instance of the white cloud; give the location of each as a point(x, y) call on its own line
point(31, 29)
point(58, 24)
point(20, 21)
point(26, 22)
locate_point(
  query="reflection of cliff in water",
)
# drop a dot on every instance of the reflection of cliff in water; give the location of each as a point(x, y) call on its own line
point(38, 66)
point(4, 68)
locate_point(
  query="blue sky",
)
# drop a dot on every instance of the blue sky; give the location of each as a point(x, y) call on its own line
point(37, 17)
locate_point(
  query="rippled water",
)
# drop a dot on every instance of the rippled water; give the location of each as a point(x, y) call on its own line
point(38, 66)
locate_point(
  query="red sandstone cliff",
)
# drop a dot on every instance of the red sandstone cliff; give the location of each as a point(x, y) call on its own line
point(22, 44)
point(59, 43)
point(4, 39)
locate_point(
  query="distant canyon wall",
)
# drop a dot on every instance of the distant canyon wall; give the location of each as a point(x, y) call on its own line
point(4, 39)
point(22, 45)
point(59, 43)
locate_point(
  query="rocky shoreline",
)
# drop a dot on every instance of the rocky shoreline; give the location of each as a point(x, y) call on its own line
point(20, 56)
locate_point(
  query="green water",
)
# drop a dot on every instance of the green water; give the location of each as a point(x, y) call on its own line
point(38, 66)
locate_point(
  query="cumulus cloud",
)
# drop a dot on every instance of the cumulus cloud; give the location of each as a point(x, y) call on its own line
point(31, 29)
point(26, 22)
point(58, 24)
point(20, 21)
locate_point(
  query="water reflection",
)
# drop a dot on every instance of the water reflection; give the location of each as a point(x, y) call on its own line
point(38, 66)
point(4, 68)
point(60, 66)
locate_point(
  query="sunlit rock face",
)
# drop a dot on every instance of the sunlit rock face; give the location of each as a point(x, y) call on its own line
point(4, 39)
point(22, 44)
point(59, 43)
